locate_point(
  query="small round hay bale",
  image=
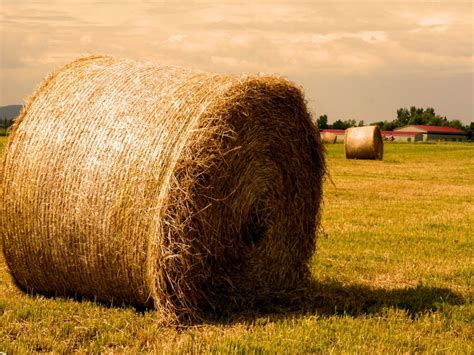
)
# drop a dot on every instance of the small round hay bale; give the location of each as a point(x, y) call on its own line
point(363, 143)
point(328, 137)
point(161, 187)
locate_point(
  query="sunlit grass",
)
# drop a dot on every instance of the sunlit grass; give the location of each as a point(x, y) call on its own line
point(393, 273)
point(3, 140)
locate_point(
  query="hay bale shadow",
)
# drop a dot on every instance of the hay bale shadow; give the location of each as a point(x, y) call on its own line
point(330, 298)
point(322, 298)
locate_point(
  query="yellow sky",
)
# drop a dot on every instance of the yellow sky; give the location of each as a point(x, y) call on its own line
point(356, 59)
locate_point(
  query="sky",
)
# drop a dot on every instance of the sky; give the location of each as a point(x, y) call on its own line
point(358, 60)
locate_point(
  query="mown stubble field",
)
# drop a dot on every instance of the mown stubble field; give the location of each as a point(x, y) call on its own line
point(393, 273)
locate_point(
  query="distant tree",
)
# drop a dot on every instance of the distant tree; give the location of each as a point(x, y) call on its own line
point(339, 124)
point(437, 121)
point(470, 130)
point(403, 116)
point(381, 124)
point(322, 122)
point(351, 123)
point(430, 111)
point(418, 116)
point(456, 124)
point(361, 123)
point(390, 126)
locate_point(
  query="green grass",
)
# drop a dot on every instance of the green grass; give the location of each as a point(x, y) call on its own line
point(393, 273)
point(3, 132)
point(3, 140)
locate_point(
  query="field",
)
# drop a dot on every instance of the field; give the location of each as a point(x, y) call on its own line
point(393, 273)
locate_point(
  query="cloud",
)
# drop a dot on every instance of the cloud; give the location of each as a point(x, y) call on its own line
point(298, 39)
point(442, 19)
point(85, 39)
point(177, 38)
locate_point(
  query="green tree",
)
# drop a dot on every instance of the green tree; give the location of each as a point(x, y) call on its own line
point(339, 124)
point(403, 117)
point(381, 124)
point(322, 122)
point(456, 124)
point(470, 130)
point(420, 116)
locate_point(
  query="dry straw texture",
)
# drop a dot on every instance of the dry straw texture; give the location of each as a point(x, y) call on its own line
point(363, 143)
point(328, 137)
point(161, 187)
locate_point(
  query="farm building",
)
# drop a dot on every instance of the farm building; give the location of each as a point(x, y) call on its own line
point(403, 136)
point(433, 133)
point(338, 132)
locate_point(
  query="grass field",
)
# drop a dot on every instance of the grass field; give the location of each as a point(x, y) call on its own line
point(393, 273)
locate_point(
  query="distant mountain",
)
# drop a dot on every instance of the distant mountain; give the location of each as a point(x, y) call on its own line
point(9, 112)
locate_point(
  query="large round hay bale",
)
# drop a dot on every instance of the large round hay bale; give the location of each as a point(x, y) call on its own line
point(161, 187)
point(328, 137)
point(363, 143)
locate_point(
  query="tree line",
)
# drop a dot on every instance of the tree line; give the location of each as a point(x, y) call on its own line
point(5, 122)
point(412, 116)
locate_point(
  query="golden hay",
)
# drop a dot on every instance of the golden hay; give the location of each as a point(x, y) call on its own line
point(161, 187)
point(363, 143)
point(328, 137)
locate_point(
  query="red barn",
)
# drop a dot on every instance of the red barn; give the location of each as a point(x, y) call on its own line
point(430, 133)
